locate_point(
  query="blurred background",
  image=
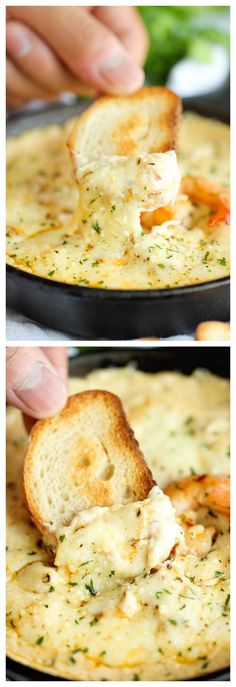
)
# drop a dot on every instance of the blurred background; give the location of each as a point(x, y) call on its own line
point(189, 47)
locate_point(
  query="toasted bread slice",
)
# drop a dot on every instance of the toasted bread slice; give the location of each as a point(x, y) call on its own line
point(146, 121)
point(84, 456)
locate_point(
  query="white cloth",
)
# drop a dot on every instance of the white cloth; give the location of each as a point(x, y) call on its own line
point(20, 328)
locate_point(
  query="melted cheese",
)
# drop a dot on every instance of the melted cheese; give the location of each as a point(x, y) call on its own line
point(113, 191)
point(101, 243)
point(94, 622)
point(129, 540)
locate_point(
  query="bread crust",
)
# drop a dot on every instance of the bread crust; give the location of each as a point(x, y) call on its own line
point(98, 492)
point(124, 132)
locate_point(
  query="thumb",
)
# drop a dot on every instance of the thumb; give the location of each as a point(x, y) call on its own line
point(33, 384)
point(91, 50)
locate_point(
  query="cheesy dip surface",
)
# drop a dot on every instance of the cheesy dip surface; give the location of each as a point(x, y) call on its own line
point(95, 242)
point(100, 611)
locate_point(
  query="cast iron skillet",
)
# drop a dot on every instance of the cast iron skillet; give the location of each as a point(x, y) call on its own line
point(89, 313)
point(186, 359)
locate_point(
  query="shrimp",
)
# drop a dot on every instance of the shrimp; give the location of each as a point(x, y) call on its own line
point(202, 190)
point(199, 190)
point(207, 490)
point(187, 496)
point(179, 211)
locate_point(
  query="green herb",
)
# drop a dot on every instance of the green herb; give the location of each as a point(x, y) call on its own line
point(12, 623)
point(102, 653)
point(172, 621)
point(72, 659)
point(205, 665)
point(192, 471)
point(40, 640)
point(192, 579)
point(205, 256)
point(112, 573)
point(62, 537)
point(94, 621)
point(218, 573)
point(32, 553)
point(51, 273)
point(72, 584)
point(89, 586)
point(158, 594)
point(52, 589)
point(85, 563)
point(227, 600)
point(136, 676)
point(222, 261)
point(188, 420)
point(113, 207)
point(96, 227)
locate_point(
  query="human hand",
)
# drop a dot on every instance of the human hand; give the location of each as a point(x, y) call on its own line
point(36, 380)
point(87, 50)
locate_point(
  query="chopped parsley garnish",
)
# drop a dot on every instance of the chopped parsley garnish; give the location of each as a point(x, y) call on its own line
point(72, 659)
point(83, 651)
point(136, 676)
point(52, 589)
point(40, 640)
point(227, 600)
point(205, 665)
point(62, 537)
point(72, 584)
point(173, 621)
point(96, 227)
point(89, 586)
point(222, 262)
point(51, 273)
point(85, 563)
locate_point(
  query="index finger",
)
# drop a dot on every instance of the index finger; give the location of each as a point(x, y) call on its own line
point(127, 25)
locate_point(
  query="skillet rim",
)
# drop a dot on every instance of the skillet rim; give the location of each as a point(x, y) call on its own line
point(138, 294)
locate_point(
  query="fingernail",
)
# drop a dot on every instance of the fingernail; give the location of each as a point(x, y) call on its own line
point(119, 69)
point(41, 391)
point(18, 42)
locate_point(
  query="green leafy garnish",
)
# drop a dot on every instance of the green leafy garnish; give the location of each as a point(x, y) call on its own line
point(96, 227)
point(89, 586)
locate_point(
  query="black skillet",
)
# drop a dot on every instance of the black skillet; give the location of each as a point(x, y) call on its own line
point(186, 359)
point(88, 313)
